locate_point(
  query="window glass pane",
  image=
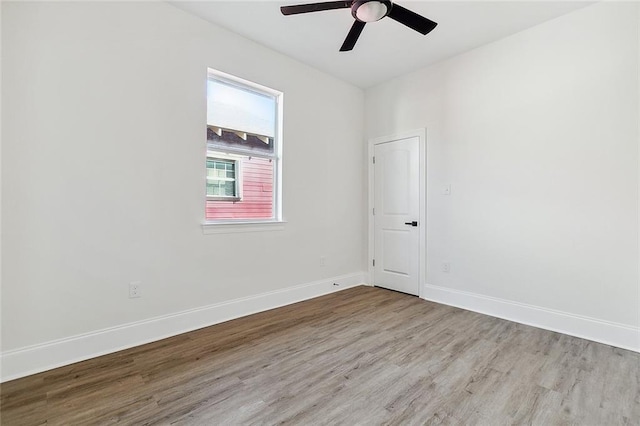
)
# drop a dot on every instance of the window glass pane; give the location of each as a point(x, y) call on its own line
point(240, 118)
point(256, 176)
point(233, 107)
point(229, 188)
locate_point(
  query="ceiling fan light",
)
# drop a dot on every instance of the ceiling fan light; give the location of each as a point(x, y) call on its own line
point(371, 11)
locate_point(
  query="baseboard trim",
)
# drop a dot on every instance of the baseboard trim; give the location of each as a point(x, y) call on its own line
point(610, 333)
point(46, 356)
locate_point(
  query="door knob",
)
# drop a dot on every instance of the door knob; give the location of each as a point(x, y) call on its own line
point(414, 223)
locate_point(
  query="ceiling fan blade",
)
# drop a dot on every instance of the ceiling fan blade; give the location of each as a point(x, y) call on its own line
point(353, 35)
point(411, 19)
point(315, 7)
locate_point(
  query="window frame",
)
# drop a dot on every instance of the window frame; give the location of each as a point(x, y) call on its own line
point(250, 224)
point(237, 161)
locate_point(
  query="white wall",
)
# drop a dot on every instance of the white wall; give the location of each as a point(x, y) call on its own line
point(538, 136)
point(103, 170)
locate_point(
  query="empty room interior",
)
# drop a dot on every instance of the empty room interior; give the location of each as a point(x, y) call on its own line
point(344, 212)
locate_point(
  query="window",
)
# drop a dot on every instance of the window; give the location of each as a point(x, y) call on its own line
point(221, 179)
point(243, 162)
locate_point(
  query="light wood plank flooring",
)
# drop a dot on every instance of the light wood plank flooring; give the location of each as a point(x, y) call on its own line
point(361, 356)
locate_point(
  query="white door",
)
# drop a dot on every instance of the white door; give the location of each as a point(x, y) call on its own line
point(396, 215)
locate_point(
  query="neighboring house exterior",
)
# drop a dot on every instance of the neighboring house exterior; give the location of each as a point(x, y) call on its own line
point(256, 196)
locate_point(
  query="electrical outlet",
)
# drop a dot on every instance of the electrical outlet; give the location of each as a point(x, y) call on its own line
point(323, 261)
point(446, 267)
point(135, 289)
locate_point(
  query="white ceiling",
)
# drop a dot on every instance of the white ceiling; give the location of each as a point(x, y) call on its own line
point(386, 49)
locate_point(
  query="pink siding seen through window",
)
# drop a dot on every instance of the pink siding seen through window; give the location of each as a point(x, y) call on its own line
point(257, 193)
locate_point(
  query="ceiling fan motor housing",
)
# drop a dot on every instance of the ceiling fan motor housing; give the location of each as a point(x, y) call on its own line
point(370, 10)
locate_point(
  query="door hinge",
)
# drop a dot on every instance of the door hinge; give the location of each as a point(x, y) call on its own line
point(374, 160)
point(373, 211)
point(374, 262)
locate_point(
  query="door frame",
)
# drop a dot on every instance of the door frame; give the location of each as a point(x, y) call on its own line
point(421, 134)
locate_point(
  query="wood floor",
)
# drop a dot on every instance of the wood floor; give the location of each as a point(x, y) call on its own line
point(360, 356)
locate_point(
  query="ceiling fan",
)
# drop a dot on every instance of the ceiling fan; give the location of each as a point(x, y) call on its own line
point(366, 11)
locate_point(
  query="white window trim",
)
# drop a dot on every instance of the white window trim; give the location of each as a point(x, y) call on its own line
point(254, 225)
point(221, 227)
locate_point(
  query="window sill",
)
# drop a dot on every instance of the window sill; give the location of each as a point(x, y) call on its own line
point(229, 199)
point(232, 227)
